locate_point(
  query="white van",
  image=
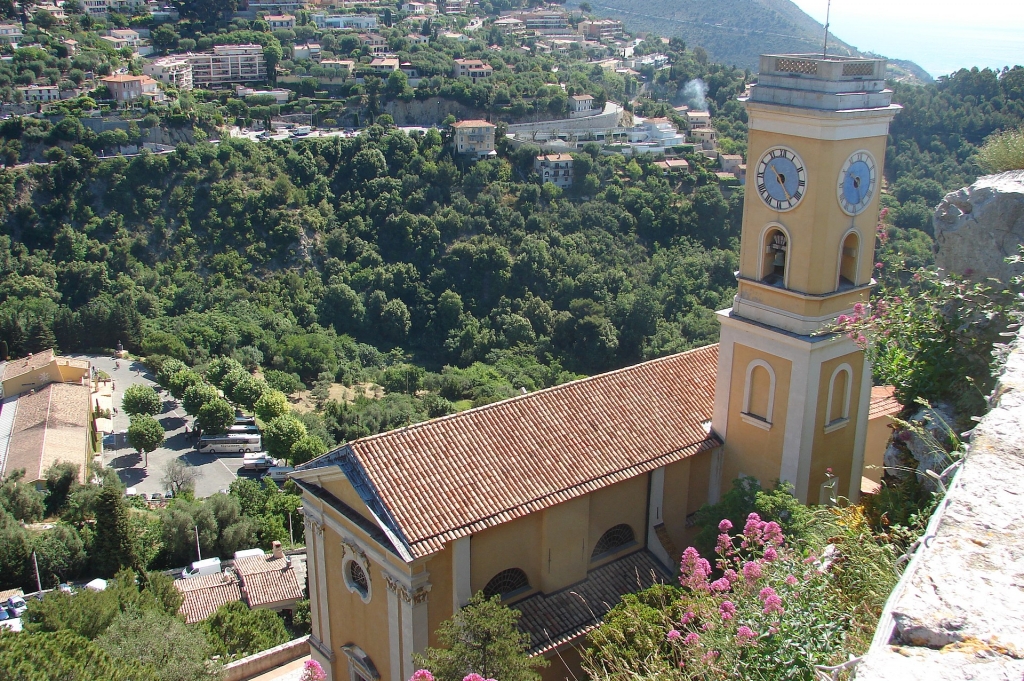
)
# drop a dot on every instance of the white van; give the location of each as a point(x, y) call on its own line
point(208, 566)
point(279, 473)
point(257, 461)
point(246, 553)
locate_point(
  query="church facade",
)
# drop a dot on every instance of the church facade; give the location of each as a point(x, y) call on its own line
point(562, 500)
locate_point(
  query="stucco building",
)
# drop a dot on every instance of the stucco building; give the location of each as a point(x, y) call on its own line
point(554, 169)
point(229, 64)
point(562, 500)
point(474, 137)
point(175, 71)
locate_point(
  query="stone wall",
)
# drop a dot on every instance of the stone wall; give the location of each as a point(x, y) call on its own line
point(249, 667)
point(978, 227)
point(958, 610)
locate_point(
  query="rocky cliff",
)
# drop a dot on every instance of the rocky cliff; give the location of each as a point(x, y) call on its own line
point(978, 227)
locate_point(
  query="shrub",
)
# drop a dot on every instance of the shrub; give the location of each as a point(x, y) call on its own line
point(284, 381)
point(1003, 151)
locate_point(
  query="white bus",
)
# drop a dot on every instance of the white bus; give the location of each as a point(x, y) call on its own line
point(230, 444)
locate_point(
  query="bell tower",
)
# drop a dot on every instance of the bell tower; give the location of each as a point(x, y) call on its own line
point(791, 402)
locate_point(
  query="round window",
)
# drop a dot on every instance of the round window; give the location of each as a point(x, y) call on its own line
point(357, 578)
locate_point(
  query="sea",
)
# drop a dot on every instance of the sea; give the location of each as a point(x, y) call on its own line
point(940, 36)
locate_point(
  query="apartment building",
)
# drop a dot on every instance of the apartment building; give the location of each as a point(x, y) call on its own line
point(10, 33)
point(100, 8)
point(40, 93)
point(277, 21)
point(175, 71)
point(308, 51)
point(377, 44)
point(601, 29)
point(359, 22)
point(555, 169)
point(228, 64)
point(276, 5)
point(474, 137)
point(123, 38)
point(473, 69)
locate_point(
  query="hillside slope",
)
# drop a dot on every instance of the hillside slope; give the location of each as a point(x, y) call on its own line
point(732, 31)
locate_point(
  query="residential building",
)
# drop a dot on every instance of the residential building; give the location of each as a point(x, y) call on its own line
point(601, 29)
point(40, 93)
point(571, 496)
point(228, 64)
point(125, 88)
point(673, 165)
point(201, 596)
point(377, 44)
point(454, 35)
point(473, 69)
point(276, 5)
point(697, 119)
point(581, 105)
point(277, 21)
point(417, 39)
point(95, 8)
point(39, 369)
point(384, 65)
point(100, 8)
point(174, 71)
point(361, 22)
point(455, 6)
point(71, 46)
point(308, 51)
point(707, 138)
point(44, 426)
point(474, 137)
point(54, 10)
point(10, 33)
point(555, 169)
point(348, 64)
point(280, 96)
point(123, 38)
point(733, 163)
point(544, 21)
point(510, 26)
point(424, 8)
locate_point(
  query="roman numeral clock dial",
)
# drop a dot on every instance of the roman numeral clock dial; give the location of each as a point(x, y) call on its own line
point(781, 179)
point(857, 182)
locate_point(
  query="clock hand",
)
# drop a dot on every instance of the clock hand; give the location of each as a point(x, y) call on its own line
point(781, 183)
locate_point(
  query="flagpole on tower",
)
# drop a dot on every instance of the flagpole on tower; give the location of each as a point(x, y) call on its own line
point(824, 48)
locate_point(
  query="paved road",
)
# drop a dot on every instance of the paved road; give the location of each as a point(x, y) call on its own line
point(216, 472)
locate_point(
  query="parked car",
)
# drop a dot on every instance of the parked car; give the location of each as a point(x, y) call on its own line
point(17, 604)
point(207, 566)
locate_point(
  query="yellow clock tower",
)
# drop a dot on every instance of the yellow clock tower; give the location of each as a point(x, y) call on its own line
point(790, 402)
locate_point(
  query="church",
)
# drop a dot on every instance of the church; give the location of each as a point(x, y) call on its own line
point(562, 500)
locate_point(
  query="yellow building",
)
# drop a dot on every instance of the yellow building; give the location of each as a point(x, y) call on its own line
point(585, 485)
point(562, 500)
point(35, 371)
point(790, 402)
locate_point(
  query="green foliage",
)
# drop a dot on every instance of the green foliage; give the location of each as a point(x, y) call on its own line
point(61, 656)
point(145, 433)
point(306, 448)
point(140, 399)
point(198, 395)
point(235, 631)
point(282, 434)
point(223, 528)
point(115, 545)
point(283, 381)
point(271, 404)
point(15, 551)
point(60, 553)
point(481, 638)
point(181, 381)
point(1003, 151)
point(216, 416)
point(159, 642)
point(19, 498)
point(61, 483)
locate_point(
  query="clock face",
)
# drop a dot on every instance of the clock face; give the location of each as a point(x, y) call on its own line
point(857, 182)
point(781, 179)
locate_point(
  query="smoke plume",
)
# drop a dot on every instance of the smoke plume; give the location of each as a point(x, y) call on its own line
point(694, 94)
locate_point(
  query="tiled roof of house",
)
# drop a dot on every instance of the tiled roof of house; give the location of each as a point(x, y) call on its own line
point(554, 619)
point(17, 367)
point(51, 425)
point(473, 124)
point(268, 581)
point(447, 478)
point(883, 402)
point(201, 596)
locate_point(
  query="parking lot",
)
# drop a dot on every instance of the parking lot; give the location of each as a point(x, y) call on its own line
point(216, 471)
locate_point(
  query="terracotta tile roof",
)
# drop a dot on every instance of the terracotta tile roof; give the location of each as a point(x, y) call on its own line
point(447, 478)
point(555, 619)
point(268, 581)
point(4, 595)
point(883, 402)
point(51, 425)
point(476, 123)
point(201, 596)
point(17, 367)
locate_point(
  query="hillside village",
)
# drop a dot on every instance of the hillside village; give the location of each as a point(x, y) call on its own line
point(333, 332)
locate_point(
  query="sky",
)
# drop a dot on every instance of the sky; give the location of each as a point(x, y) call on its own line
point(939, 35)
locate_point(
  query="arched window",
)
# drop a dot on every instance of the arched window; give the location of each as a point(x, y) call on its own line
point(848, 261)
point(357, 578)
point(506, 583)
point(774, 257)
point(759, 394)
point(613, 540)
point(839, 388)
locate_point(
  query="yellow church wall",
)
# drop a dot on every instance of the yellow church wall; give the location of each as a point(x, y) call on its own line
point(439, 603)
point(352, 620)
point(750, 449)
point(835, 449)
point(623, 502)
point(810, 241)
point(875, 443)
point(675, 502)
point(564, 559)
point(340, 487)
point(515, 544)
point(799, 304)
point(566, 665)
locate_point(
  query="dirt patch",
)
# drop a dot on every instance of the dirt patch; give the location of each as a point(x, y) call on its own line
point(302, 401)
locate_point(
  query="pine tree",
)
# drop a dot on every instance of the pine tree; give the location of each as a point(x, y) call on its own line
point(115, 546)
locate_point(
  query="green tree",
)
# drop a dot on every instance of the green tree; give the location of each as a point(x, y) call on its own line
point(179, 475)
point(20, 499)
point(306, 448)
point(248, 391)
point(196, 396)
point(235, 631)
point(115, 545)
point(482, 638)
point(281, 434)
point(215, 417)
point(145, 434)
point(180, 382)
point(168, 368)
point(61, 656)
point(15, 550)
point(61, 482)
point(220, 367)
point(140, 399)
point(271, 404)
point(160, 642)
point(60, 554)
point(206, 11)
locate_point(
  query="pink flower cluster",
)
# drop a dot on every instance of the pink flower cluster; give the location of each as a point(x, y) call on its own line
point(745, 635)
point(772, 601)
point(727, 610)
point(694, 570)
point(421, 675)
point(312, 671)
point(473, 676)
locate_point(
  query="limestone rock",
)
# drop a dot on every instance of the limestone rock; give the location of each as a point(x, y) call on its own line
point(922, 451)
point(978, 227)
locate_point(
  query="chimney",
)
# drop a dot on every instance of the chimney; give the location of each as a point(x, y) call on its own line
point(278, 552)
